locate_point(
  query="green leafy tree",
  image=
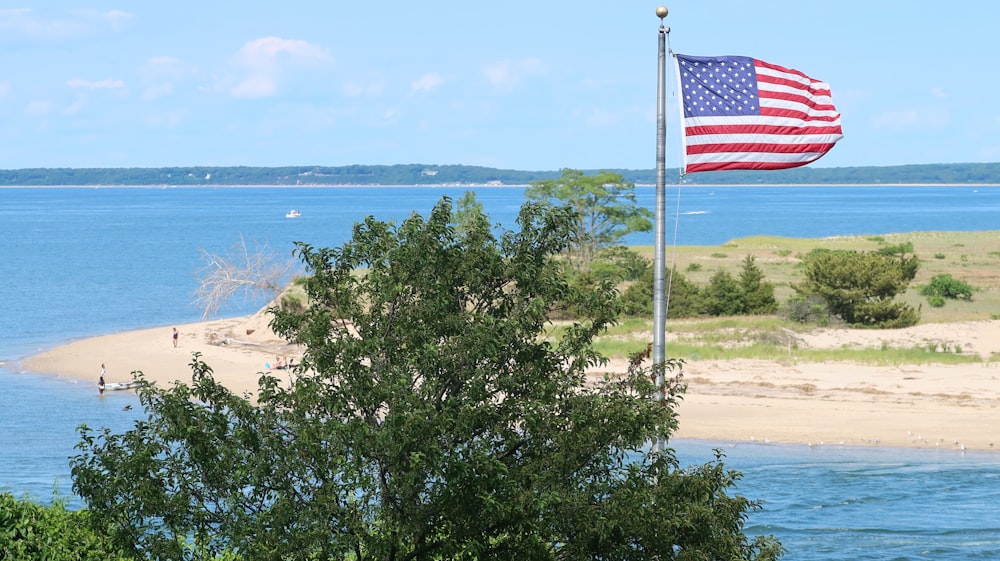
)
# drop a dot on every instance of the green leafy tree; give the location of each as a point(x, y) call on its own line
point(807, 309)
point(30, 532)
point(433, 417)
point(723, 296)
point(469, 212)
point(606, 210)
point(757, 294)
point(859, 287)
point(684, 298)
point(946, 286)
point(619, 263)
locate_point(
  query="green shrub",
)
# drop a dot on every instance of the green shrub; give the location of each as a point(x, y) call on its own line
point(859, 287)
point(897, 249)
point(938, 256)
point(693, 267)
point(757, 294)
point(935, 301)
point(29, 531)
point(294, 299)
point(619, 263)
point(946, 286)
point(719, 255)
point(683, 298)
point(723, 296)
point(808, 309)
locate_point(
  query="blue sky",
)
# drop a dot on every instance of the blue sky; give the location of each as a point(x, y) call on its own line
point(530, 85)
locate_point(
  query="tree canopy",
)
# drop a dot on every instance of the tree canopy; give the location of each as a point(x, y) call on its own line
point(860, 287)
point(606, 210)
point(434, 415)
point(34, 532)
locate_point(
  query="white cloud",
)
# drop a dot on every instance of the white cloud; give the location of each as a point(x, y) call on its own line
point(355, 89)
point(266, 60)
point(164, 120)
point(156, 91)
point(427, 82)
point(38, 107)
point(25, 23)
point(257, 86)
point(160, 74)
point(116, 18)
point(939, 93)
point(913, 118)
point(74, 108)
point(106, 84)
point(265, 52)
point(507, 74)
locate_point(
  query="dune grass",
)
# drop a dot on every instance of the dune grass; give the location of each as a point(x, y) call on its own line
point(973, 257)
point(763, 338)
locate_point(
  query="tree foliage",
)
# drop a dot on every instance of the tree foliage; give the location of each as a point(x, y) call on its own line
point(606, 210)
point(683, 296)
point(433, 416)
point(757, 294)
point(724, 295)
point(619, 263)
point(746, 294)
point(34, 532)
point(947, 286)
point(859, 287)
point(469, 212)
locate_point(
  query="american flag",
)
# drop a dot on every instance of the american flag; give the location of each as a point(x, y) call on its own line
point(743, 113)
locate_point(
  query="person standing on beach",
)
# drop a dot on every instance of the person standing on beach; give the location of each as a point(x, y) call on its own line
point(100, 381)
point(175, 337)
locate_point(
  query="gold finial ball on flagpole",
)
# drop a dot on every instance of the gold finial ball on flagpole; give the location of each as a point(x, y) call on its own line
point(661, 12)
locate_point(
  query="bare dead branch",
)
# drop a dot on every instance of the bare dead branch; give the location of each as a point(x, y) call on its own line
point(242, 271)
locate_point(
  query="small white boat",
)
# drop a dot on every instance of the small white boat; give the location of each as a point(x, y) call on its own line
point(121, 385)
point(293, 214)
point(113, 386)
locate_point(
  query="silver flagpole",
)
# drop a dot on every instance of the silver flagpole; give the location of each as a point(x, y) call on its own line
point(660, 245)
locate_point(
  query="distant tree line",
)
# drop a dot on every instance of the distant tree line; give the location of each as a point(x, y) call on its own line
point(425, 174)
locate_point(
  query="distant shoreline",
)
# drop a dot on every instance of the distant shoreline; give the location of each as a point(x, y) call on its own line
point(481, 185)
point(982, 174)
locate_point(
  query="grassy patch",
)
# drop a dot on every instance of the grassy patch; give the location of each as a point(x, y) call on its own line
point(779, 259)
point(766, 339)
point(773, 338)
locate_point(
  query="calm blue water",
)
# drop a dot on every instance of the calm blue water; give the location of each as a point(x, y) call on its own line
point(77, 262)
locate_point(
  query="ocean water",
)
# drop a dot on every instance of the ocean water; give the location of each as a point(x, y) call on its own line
point(77, 262)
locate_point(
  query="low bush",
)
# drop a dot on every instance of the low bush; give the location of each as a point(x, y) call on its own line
point(808, 309)
point(946, 286)
point(30, 531)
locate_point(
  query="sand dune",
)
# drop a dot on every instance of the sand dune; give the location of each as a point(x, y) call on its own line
point(935, 405)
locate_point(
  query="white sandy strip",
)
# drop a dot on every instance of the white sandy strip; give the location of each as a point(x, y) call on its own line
point(941, 406)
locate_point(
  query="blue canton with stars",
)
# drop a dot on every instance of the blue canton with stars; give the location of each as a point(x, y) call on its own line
point(718, 86)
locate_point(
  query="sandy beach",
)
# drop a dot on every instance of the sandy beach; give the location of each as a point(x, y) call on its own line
point(943, 406)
